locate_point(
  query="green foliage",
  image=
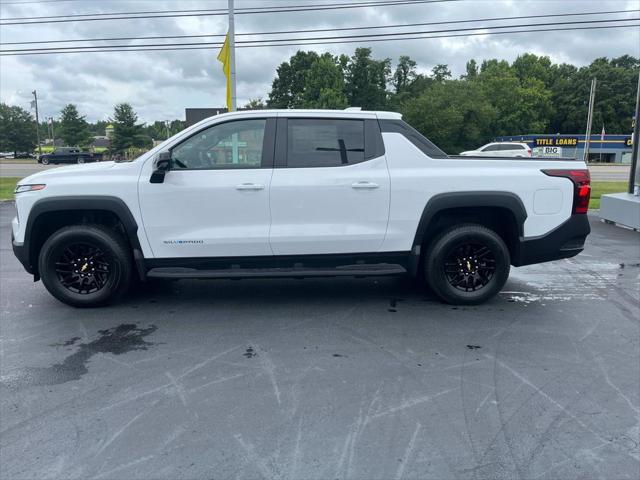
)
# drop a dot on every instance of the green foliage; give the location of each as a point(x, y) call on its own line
point(440, 73)
point(254, 104)
point(287, 90)
point(73, 128)
point(324, 84)
point(404, 74)
point(366, 80)
point(461, 115)
point(127, 134)
point(17, 129)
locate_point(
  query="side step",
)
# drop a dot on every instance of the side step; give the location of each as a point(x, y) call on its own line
point(343, 271)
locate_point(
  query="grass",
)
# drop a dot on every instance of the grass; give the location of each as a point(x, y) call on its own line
point(600, 188)
point(7, 186)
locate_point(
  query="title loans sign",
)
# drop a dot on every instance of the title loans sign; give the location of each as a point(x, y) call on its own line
point(556, 142)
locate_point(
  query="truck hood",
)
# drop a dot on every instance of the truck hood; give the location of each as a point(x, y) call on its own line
point(83, 169)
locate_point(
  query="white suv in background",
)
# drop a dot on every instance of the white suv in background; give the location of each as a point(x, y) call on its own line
point(500, 149)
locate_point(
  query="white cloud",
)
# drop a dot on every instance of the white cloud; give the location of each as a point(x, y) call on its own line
point(161, 84)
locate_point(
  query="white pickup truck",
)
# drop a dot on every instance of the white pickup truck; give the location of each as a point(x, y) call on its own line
point(295, 193)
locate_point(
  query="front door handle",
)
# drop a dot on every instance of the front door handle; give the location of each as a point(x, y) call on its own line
point(250, 186)
point(364, 185)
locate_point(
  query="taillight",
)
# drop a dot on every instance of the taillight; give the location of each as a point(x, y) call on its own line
point(529, 151)
point(581, 187)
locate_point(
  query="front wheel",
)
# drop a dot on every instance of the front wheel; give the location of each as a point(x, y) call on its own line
point(467, 264)
point(44, 161)
point(80, 159)
point(85, 265)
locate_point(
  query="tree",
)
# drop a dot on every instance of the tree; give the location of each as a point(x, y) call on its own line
point(440, 73)
point(471, 70)
point(17, 129)
point(74, 129)
point(324, 84)
point(404, 74)
point(126, 132)
point(287, 89)
point(366, 80)
point(464, 116)
point(615, 95)
point(254, 104)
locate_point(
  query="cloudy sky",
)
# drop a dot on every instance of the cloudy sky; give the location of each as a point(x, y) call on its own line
point(161, 84)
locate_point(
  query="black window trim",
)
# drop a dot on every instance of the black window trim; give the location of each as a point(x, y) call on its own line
point(373, 143)
point(421, 142)
point(268, 144)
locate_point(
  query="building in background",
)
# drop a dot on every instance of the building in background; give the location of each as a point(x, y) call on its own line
point(195, 115)
point(610, 149)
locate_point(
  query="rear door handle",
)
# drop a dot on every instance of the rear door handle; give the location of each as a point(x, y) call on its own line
point(364, 185)
point(250, 186)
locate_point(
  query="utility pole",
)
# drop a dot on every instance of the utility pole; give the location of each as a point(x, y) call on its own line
point(35, 101)
point(634, 174)
point(587, 137)
point(232, 48)
point(166, 124)
point(53, 134)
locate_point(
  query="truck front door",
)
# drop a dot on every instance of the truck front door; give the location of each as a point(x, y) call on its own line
point(214, 202)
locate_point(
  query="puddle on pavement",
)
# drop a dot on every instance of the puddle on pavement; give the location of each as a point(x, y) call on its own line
point(564, 280)
point(118, 340)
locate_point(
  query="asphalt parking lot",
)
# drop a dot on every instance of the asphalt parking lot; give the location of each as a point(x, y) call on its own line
point(328, 378)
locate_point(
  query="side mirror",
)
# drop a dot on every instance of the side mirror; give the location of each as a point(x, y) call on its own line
point(161, 165)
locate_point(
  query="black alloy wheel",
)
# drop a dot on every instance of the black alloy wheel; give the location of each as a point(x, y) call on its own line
point(83, 268)
point(470, 267)
point(467, 264)
point(86, 265)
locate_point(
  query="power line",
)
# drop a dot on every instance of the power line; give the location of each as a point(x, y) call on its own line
point(219, 12)
point(362, 36)
point(210, 46)
point(210, 10)
point(160, 37)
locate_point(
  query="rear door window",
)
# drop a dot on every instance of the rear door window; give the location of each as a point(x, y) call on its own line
point(492, 148)
point(324, 142)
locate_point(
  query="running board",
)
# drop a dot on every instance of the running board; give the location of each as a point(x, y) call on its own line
point(344, 271)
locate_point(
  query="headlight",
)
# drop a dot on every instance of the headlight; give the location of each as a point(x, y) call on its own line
point(29, 188)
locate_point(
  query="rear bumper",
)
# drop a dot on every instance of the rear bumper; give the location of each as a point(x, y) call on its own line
point(565, 241)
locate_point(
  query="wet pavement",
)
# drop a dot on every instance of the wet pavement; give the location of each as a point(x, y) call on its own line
point(328, 378)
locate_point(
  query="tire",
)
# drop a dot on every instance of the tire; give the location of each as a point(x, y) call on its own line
point(80, 159)
point(86, 243)
point(44, 161)
point(467, 264)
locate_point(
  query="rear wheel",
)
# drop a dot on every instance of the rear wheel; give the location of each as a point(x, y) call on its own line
point(80, 159)
point(467, 264)
point(85, 265)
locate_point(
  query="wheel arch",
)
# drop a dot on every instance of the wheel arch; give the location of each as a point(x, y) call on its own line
point(50, 214)
point(504, 212)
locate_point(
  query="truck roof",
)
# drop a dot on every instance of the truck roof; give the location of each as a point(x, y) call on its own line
point(351, 112)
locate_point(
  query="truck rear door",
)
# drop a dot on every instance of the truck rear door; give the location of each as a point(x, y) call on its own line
point(330, 186)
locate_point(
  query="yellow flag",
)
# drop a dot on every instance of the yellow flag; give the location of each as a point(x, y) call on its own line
point(225, 58)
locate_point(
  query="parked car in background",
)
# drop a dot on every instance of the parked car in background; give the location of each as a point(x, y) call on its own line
point(68, 155)
point(500, 149)
point(6, 154)
point(23, 155)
